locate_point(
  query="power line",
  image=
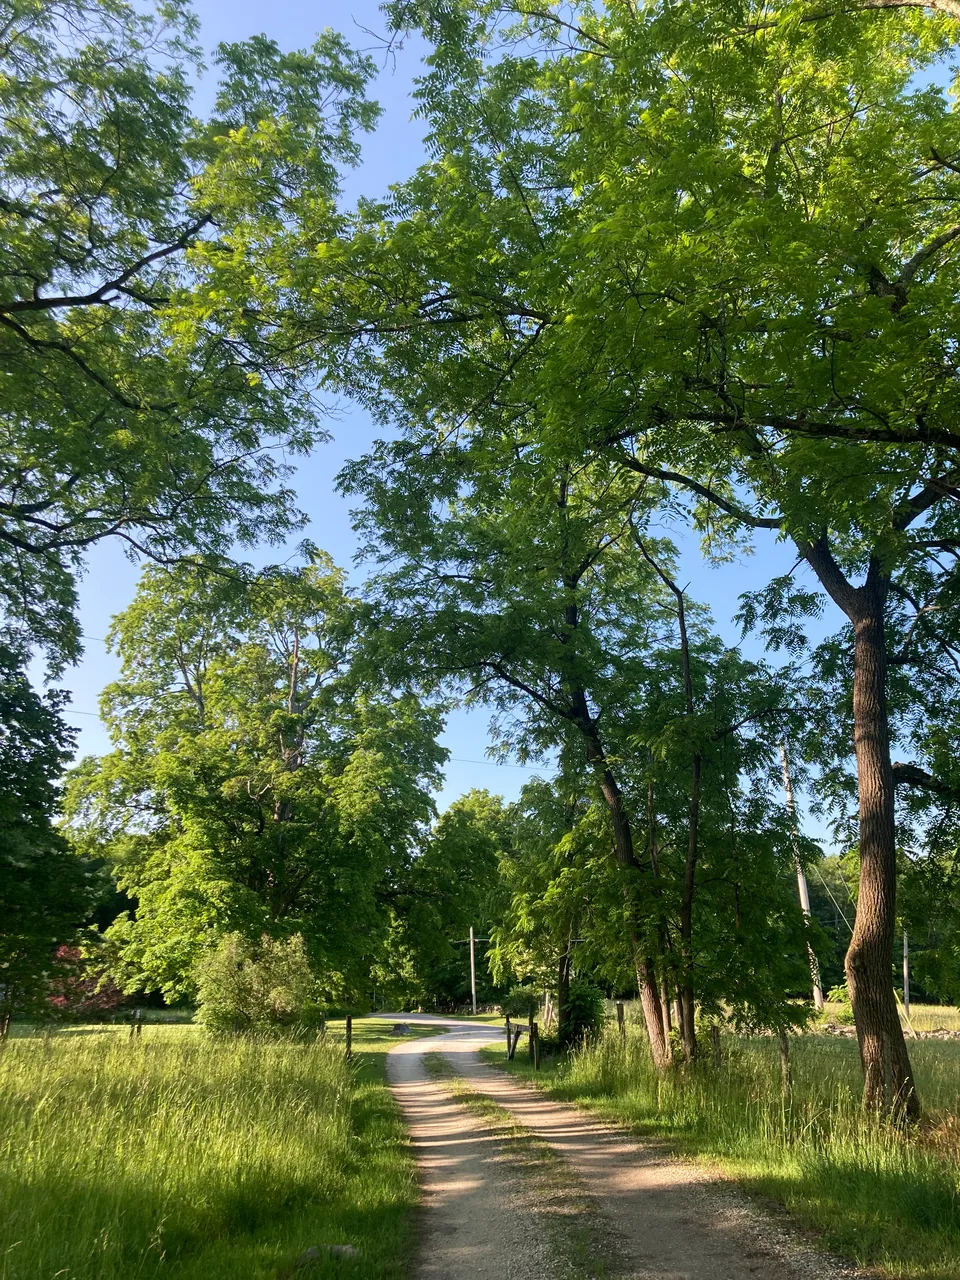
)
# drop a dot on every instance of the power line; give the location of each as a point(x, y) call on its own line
point(833, 900)
point(494, 764)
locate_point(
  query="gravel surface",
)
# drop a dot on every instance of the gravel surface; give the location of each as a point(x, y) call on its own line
point(474, 1220)
point(668, 1219)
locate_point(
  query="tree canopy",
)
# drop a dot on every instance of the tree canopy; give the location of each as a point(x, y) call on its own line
point(45, 889)
point(254, 788)
point(669, 270)
point(127, 409)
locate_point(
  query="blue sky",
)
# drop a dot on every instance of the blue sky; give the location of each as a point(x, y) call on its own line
point(389, 156)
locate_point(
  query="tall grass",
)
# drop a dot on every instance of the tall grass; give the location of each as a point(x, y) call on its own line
point(171, 1155)
point(878, 1196)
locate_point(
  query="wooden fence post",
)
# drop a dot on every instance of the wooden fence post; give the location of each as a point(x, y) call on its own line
point(349, 1037)
point(785, 1072)
point(621, 1021)
point(715, 1042)
point(530, 1025)
point(517, 1032)
point(535, 1045)
point(508, 1037)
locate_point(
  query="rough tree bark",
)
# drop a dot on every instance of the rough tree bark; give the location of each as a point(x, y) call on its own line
point(888, 1077)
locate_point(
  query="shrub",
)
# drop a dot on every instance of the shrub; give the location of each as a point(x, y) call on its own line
point(582, 1018)
point(520, 1002)
point(843, 1013)
point(80, 989)
point(263, 986)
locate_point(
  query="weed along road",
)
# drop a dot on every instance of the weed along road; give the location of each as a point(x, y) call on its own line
point(517, 1186)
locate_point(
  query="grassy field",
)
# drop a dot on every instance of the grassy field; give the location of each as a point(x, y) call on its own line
point(171, 1155)
point(923, 1017)
point(933, 1017)
point(876, 1196)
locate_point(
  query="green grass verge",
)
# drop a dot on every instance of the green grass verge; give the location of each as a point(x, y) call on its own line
point(579, 1241)
point(172, 1155)
point(880, 1197)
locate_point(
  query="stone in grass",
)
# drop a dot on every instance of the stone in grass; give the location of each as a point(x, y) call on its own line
point(400, 1029)
point(318, 1251)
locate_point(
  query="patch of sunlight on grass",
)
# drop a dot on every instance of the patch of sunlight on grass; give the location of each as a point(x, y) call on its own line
point(175, 1155)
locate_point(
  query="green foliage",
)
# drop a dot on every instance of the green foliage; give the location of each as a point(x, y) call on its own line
point(520, 1002)
point(581, 656)
point(255, 785)
point(584, 1014)
point(45, 889)
point(842, 1011)
point(133, 411)
point(450, 885)
point(261, 986)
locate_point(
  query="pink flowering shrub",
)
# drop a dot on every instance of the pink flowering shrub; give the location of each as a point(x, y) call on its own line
point(79, 990)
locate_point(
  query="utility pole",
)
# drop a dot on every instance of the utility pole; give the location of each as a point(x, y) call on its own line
point(473, 974)
point(801, 878)
point(906, 975)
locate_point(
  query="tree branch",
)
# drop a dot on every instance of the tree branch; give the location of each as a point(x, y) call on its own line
point(704, 491)
point(911, 775)
point(99, 294)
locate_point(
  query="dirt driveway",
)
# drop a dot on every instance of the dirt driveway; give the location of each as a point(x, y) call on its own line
point(627, 1209)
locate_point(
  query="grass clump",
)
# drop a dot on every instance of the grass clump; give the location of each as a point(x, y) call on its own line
point(881, 1197)
point(171, 1155)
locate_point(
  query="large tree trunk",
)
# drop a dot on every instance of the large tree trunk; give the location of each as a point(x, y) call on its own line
point(685, 987)
point(888, 1077)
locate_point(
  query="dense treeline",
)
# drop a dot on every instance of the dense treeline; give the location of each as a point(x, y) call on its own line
point(683, 269)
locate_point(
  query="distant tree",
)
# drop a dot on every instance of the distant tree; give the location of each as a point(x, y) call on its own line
point(539, 590)
point(562, 912)
point(45, 888)
point(257, 784)
point(79, 989)
point(451, 884)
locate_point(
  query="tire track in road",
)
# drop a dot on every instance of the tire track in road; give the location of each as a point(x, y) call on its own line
point(666, 1218)
point(475, 1225)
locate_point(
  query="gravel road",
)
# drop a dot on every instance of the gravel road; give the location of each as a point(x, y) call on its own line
point(665, 1219)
